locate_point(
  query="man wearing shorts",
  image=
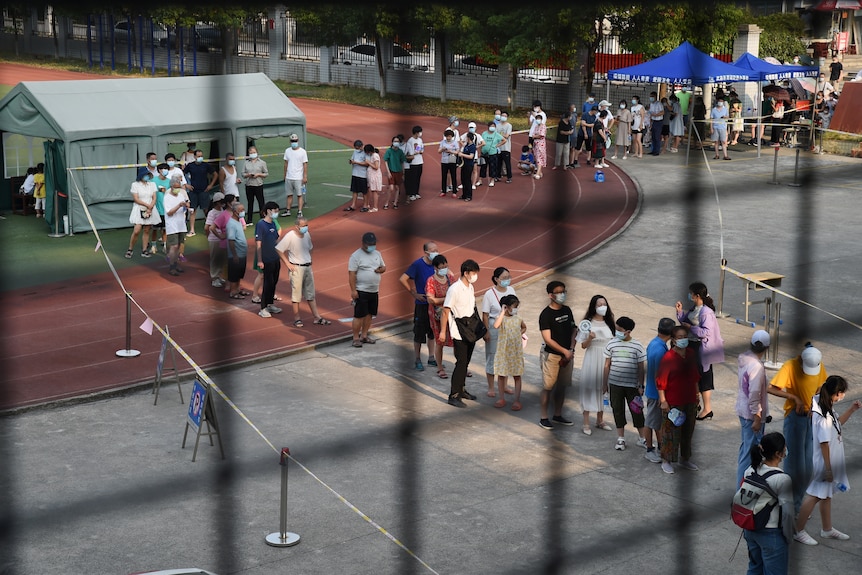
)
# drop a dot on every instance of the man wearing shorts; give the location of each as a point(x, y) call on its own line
point(295, 252)
point(414, 280)
point(176, 204)
point(557, 325)
point(653, 416)
point(295, 174)
point(363, 273)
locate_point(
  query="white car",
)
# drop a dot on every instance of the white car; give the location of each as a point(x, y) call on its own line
point(365, 54)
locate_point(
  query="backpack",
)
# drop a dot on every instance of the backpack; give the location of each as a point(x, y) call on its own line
point(754, 501)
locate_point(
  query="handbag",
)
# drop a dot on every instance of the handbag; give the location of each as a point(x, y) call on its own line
point(471, 328)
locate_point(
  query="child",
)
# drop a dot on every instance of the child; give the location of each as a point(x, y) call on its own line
point(39, 190)
point(358, 176)
point(509, 359)
point(830, 472)
point(375, 177)
point(527, 163)
point(624, 375)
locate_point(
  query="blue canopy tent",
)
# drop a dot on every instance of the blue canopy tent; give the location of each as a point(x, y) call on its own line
point(684, 65)
point(768, 71)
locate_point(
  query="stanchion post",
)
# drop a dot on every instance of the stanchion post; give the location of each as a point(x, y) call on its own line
point(796, 183)
point(56, 233)
point(773, 344)
point(128, 351)
point(721, 287)
point(775, 181)
point(283, 538)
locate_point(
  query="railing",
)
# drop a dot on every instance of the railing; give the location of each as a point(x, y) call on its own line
point(300, 41)
point(253, 38)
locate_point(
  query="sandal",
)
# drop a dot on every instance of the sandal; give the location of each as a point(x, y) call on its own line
point(386, 207)
point(516, 406)
point(255, 299)
point(322, 321)
point(236, 296)
point(441, 373)
point(500, 403)
point(129, 254)
point(349, 209)
point(368, 339)
point(244, 292)
point(298, 323)
point(357, 343)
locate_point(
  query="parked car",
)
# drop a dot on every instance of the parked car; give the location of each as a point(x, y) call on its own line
point(207, 37)
point(365, 55)
point(122, 29)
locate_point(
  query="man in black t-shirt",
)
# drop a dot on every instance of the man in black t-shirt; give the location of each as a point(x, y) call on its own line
point(557, 325)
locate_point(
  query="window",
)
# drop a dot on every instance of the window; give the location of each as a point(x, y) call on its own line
point(21, 152)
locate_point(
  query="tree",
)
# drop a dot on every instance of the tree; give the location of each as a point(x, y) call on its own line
point(781, 36)
point(442, 22)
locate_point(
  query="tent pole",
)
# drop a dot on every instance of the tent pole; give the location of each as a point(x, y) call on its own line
point(56, 233)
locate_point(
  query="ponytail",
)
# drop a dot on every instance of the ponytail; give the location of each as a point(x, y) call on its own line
point(699, 289)
point(833, 384)
point(770, 445)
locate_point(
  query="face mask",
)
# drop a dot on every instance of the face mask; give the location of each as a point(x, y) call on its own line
point(560, 298)
point(456, 123)
point(241, 214)
point(432, 255)
point(274, 215)
point(651, 99)
point(199, 159)
point(504, 118)
point(491, 129)
point(536, 109)
point(442, 272)
point(620, 334)
point(622, 106)
point(690, 298)
point(591, 99)
point(164, 172)
point(472, 130)
point(505, 283)
point(497, 117)
point(395, 144)
point(720, 104)
point(231, 162)
point(539, 120)
point(170, 163)
point(253, 156)
point(146, 178)
point(602, 310)
point(472, 278)
point(153, 163)
point(303, 229)
point(370, 249)
point(681, 343)
point(634, 102)
point(513, 311)
point(294, 145)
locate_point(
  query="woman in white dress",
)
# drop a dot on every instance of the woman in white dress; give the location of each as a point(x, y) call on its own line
point(830, 471)
point(144, 214)
point(677, 126)
point(594, 333)
point(491, 308)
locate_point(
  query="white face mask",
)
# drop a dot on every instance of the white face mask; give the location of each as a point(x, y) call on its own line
point(472, 278)
point(514, 310)
point(602, 310)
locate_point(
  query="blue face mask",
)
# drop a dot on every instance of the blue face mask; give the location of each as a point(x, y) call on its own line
point(153, 163)
point(170, 163)
point(505, 283)
point(294, 145)
point(651, 99)
point(472, 130)
point(231, 162)
point(241, 214)
point(634, 102)
point(303, 229)
point(432, 255)
point(690, 298)
point(164, 172)
point(146, 178)
point(274, 215)
point(370, 249)
point(620, 334)
point(442, 272)
point(560, 298)
point(252, 156)
point(681, 343)
point(199, 159)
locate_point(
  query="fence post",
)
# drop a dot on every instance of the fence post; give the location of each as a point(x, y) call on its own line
point(283, 538)
point(796, 183)
point(128, 351)
point(721, 287)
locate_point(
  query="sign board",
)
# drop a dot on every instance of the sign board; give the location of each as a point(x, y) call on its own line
point(197, 403)
point(841, 39)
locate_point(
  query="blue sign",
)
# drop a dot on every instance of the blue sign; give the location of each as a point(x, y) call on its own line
point(196, 404)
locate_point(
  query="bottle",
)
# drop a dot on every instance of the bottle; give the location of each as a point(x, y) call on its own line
point(606, 399)
point(303, 189)
point(841, 486)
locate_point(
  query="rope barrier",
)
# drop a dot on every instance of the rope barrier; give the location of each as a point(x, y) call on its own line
point(206, 379)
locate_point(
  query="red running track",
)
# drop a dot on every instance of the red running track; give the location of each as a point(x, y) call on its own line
point(60, 339)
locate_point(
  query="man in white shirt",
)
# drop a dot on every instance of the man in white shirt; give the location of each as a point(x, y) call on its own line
point(460, 302)
point(295, 173)
point(176, 204)
point(363, 274)
point(294, 249)
point(413, 177)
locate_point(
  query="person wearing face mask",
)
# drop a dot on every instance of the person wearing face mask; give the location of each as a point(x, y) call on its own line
point(416, 154)
point(718, 127)
point(676, 381)
point(830, 469)
point(436, 287)
point(491, 309)
point(454, 122)
point(162, 183)
point(752, 405)
point(254, 171)
point(414, 280)
point(364, 269)
point(188, 156)
point(152, 163)
point(624, 134)
point(588, 104)
point(557, 326)
point(202, 178)
point(294, 249)
point(677, 128)
point(394, 159)
point(266, 238)
point(653, 416)
point(656, 122)
point(176, 205)
point(537, 133)
point(448, 150)
point(228, 177)
point(561, 143)
point(639, 124)
point(473, 181)
point(460, 302)
point(358, 176)
point(144, 214)
point(594, 333)
point(237, 250)
point(175, 169)
point(295, 174)
point(624, 373)
point(215, 234)
point(491, 154)
point(823, 85)
point(510, 359)
point(504, 128)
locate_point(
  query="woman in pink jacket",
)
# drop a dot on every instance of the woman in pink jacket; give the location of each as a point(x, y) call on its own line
point(705, 338)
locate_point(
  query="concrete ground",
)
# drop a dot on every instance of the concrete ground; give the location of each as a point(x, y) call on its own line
point(104, 487)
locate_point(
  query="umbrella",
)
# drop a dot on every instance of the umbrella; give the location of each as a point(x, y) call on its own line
point(772, 60)
point(801, 85)
point(776, 92)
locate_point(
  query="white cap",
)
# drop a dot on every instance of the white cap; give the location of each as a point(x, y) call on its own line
point(471, 125)
point(605, 104)
point(811, 358)
point(761, 337)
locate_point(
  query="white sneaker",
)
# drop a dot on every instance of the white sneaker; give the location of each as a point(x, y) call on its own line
point(621, 444)
point(479, 183)
point(273, 309)
point(834, 534)
point(668, 468)
point(474, 187)
point(653, 457)
point(460, 186)
point(641, 442)
point(264, 313)
point(491, 184)
point(804, 538)
point(417, 197)
point(614, 157)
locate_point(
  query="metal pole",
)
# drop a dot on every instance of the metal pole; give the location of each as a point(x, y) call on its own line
point(128, 351)
point(773, 344)
point(283, 538)
point(56, 233)
point(721, 287)
point(796, 183)
point(775, 168)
